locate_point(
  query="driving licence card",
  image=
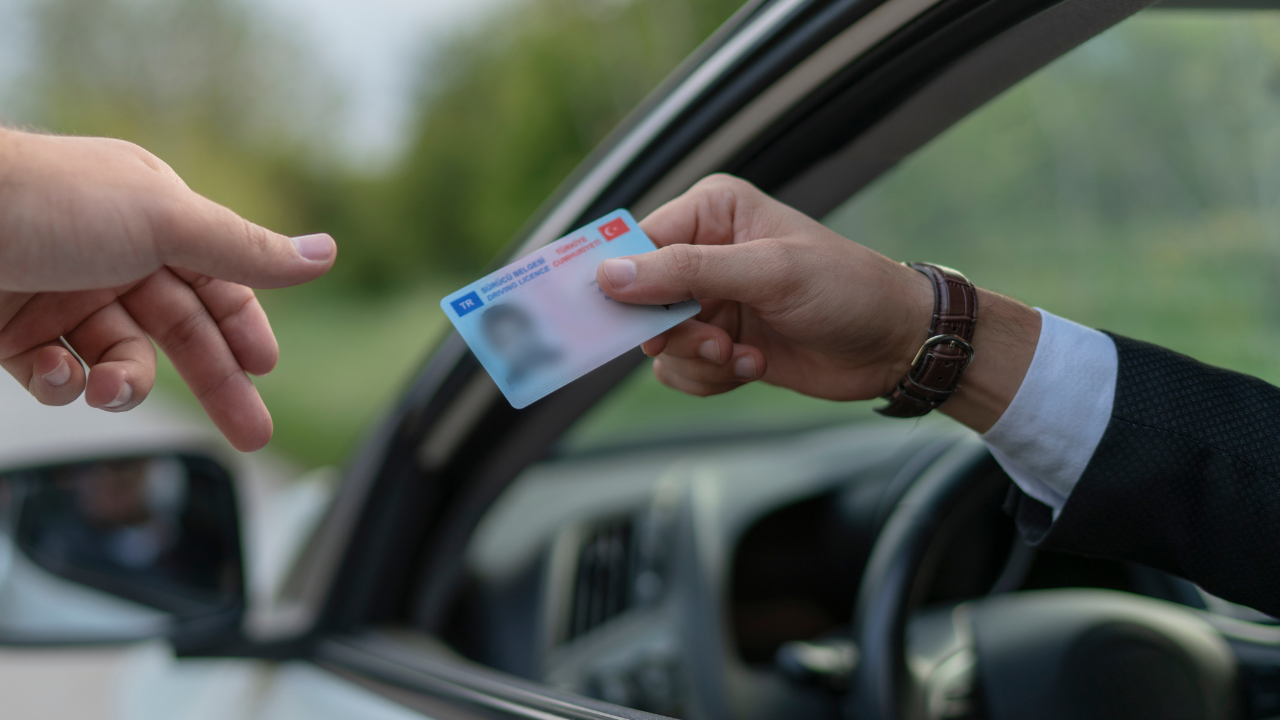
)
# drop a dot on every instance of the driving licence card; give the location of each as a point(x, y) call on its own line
point(542, 322)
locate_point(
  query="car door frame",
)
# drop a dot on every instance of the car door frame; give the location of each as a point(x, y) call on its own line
point(809, 99)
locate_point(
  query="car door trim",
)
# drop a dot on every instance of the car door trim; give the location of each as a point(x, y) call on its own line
point(387, 660)
point(308, 590)
point(975, 79)
point(571, 207)
point(782, 95)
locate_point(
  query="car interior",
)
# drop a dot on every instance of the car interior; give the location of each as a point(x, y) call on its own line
point(765, 555)
point(621, 550)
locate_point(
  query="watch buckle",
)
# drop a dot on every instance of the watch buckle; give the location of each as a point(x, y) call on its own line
point(952, 340)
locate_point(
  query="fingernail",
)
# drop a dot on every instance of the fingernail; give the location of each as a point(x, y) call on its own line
point(710, 350)
point(620, 271)
point(126, 392)
point(58, 376)
point(745, 368)
point(314, 247)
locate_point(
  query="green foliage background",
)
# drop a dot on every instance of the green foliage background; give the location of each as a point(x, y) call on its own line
point(506, 109)
point(1134, 185)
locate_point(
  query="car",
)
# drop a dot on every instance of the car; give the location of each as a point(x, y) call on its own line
point(617, 551)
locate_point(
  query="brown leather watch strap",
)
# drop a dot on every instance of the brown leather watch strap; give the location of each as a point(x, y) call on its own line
point(935, 374)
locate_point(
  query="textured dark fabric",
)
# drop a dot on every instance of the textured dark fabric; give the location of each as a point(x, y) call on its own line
point(1184, 479)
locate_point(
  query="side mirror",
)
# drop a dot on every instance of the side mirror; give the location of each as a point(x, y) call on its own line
point(118, 550)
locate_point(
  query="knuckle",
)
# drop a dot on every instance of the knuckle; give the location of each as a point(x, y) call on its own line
point(724, 190)
point(724, 204)
point(183, 333)
point(783, 261)
point(680, 381)
point(134, 349)
point(255, 237)
point(244, 309)
point(686, 260)
point(144, 156)
point(210, 389)
point(169, 221)
point(778, 253)
point(124, 146)
point(722, 182)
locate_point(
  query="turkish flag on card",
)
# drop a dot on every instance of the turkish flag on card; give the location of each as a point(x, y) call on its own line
point(614, 228)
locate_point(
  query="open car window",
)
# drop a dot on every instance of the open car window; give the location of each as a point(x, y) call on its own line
point(1132, 185)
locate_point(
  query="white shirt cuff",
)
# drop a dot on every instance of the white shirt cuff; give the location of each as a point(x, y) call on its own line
point(1046, 437)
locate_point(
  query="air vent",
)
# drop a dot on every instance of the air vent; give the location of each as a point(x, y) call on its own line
point(602, 586)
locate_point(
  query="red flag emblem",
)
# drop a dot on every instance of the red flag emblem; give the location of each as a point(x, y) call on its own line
point(614, 228)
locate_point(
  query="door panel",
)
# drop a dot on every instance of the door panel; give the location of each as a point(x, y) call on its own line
point(302, 691)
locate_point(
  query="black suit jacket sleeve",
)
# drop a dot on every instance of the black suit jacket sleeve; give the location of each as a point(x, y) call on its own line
point(1185, 478)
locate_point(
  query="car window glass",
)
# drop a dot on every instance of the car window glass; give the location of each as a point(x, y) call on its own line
point(643, 409)
point(1132, 185)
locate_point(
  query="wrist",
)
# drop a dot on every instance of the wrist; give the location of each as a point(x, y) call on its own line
point(912, 327)
point(1004, 344)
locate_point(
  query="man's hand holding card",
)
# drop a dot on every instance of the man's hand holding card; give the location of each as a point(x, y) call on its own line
point(543, 321)
point(743, 288)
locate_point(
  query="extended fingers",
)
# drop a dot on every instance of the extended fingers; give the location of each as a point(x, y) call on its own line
point(169, 310)
point(241, 319)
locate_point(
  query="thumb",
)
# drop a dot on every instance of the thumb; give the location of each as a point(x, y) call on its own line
point(207, 238)
point(746, 272)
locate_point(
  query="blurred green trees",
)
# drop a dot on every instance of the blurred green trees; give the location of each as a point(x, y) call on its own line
point(1132, 185)
point(206, 85)
point(511, 108)
point(223, 93)
point(506, 109)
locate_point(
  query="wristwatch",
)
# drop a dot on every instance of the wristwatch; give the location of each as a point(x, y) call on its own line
point(935, 373)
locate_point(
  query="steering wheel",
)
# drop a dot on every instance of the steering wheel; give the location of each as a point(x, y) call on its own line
point(1061, 654)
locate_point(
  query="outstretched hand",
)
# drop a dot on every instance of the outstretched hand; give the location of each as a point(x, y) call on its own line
point(103, 245)
point(787, 301)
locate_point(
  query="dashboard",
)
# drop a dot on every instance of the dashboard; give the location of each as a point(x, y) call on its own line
point(666, 577)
